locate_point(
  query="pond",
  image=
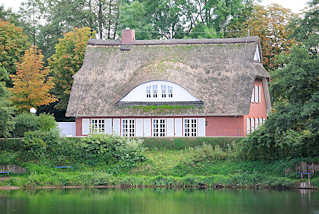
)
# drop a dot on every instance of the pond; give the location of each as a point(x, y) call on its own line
point(159, 201)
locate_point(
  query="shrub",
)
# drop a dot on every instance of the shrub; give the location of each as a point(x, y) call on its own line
point(113, 149)
point(39, 144)
point(181, 143)
point(25, 122)
point(46, 122)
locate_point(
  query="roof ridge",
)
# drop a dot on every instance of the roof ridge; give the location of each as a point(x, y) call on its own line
point(98, 42)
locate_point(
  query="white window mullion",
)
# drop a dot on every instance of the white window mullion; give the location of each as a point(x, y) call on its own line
point(248, 126)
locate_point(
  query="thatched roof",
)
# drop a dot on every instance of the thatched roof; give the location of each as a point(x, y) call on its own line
point(219, 72)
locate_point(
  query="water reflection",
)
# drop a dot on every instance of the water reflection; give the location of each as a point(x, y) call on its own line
point(159, 201)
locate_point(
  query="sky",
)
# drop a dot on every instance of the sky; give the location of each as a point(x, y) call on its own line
point(294, 5)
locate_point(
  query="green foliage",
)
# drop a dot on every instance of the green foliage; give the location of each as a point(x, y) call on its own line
point(8, 158)
point(39, 144)
point(13, 43)
point(46, 122)
point(113, 149)
point(25, 122)
point(307, 30)
point(12, 145)
point(6, 108)
point(182, 143)
point(133, 16)
point(292, 129)
point(67, 61)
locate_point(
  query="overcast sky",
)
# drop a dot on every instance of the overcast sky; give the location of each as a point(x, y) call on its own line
point(294, 5)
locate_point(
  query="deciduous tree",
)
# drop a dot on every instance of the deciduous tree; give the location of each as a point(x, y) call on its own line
point(6, 108)
point(67, 61)
point(12, 46)
point(31, 83)
point(272, 25)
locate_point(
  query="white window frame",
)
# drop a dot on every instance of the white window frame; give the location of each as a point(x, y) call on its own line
point(170, 91)
point(164, 90)
point(189, 129)
point(148, 91)
point(155, 91)
point(128, 127)
point(159, 126)
point(97, 126)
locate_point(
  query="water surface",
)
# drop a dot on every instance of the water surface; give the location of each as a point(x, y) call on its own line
point(158, 202)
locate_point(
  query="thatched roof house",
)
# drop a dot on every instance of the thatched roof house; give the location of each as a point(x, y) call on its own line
point(218, 75)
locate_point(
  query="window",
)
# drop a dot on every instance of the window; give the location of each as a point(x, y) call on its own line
point(159, 127)
point(97, 126)
point(148, 91)
point(190, 127)
point(154, 91)
point(254, 123)
point(159, 91)
point(170, 91)
point(128, 127)
point(163, 91)
point(256, 95)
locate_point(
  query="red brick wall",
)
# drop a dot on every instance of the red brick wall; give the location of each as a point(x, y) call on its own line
point(257, 110)
point(224, 126)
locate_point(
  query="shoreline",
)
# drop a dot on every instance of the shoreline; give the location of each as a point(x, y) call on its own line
point(125, 186)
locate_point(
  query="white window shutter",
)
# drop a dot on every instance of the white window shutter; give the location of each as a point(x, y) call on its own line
point(259, 87)
point(139, 128)
point(170, 127)
point(147, 127)
point(256, 123)
point(85, 126)
point(201, 127)
point(252, 124)
point(178, 127)
point(253, 96)
point(116, 127)
point(256, 94)
point(248, 125)
point(260, 121)
point(108, 126)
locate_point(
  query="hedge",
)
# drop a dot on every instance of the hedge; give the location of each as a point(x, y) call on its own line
point(16, 144)
point(181, 143)
point(11, 144)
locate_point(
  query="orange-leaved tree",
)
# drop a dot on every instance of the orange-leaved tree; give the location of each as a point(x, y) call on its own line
point(31, 82)
point(272, 25)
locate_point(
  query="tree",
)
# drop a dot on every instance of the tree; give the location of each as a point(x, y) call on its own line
point(292, 129)
point(308, 27)
point(31, 83)
point(12, 46)
point(6, 108)
point(272, 25)
point(67, 61)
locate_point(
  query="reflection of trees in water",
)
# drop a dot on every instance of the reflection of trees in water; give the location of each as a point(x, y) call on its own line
point(9, 205)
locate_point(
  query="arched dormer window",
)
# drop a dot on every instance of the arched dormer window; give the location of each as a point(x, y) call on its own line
point(159, 91)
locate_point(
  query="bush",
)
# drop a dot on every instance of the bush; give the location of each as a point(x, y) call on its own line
point(113, 149)
point(39, 144)
point(46, 122)
point(11, 144)
point(182, 143)
point(25, 122)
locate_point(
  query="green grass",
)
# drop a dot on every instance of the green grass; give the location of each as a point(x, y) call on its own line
point(168, 168)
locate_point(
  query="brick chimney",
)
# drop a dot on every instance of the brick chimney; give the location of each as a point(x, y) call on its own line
point(128, 36)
